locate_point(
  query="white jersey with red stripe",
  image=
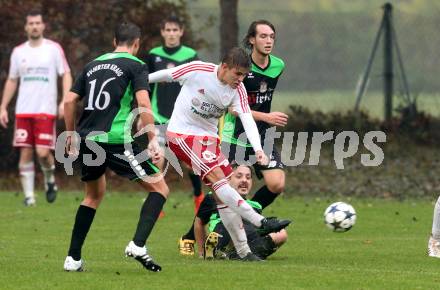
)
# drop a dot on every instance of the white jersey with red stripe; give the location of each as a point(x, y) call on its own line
point(202, 100)
point(38, 69)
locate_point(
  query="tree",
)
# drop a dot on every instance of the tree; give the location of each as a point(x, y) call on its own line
point(85, 30)
point(228, 25)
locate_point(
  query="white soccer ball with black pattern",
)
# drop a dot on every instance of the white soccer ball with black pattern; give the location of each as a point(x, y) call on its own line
point(340, 217)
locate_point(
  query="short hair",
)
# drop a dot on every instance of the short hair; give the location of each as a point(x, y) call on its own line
point(171, 19)
point(237, 57)
point(126, 33)
point(235, 165)
point(34, 12)
point(252, 31)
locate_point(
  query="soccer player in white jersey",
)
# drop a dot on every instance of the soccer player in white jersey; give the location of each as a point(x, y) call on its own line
point(35, 64)
point(434, 239)
point(208, 90)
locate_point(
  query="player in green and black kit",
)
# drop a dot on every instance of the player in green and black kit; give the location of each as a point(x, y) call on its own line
point(108, 87)
point(260, 85)
point(172, 53)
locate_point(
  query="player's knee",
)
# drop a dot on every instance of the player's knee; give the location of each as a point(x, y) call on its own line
point(160, 187)
point(279, 238)
point(164, 190)
point(93, 199)
point(43, 153)
point(276, 187)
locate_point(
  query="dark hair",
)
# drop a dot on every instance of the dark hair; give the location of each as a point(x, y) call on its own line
point(126, 33)
point(237, 57)
point(34, 12)
point(252, 31)
point(235, 165)
point(171, 19)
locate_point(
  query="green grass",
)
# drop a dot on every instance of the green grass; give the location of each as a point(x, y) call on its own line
point(340, 101)
point(385, 250)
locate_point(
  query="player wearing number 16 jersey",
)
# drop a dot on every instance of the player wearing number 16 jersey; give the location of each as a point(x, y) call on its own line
point(208, 90)
point(109, 85)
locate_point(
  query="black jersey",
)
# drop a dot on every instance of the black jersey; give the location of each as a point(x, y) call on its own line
point(260, 85)
point(107, 85)
point(164, 95)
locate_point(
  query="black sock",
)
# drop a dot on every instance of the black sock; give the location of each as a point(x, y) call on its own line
point(190, 234)
point(196, 183)
point(264, 196)
point(83, 221)
point(149, 214)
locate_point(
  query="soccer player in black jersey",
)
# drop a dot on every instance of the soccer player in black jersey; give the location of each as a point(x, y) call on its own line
point(108, 86)
point(260, 85)
point(163, 95)
point(218, 240)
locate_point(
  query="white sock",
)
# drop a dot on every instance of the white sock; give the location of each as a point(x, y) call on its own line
point(235, 202)
point(436, 221)
point(234, 225)
point(49, 174)
point(27, 176)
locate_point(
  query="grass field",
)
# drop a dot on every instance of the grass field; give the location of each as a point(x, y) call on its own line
point(385, 250)
point(340, 101)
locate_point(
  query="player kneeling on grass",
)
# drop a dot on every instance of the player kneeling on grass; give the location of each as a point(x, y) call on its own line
point(218, 242)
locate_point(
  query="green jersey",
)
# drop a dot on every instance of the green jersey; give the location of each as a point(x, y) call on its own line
point(260, 85)
point(164, 95)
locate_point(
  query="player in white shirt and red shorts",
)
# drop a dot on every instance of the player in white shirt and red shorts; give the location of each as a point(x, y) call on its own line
point(36, 65)
point(208, 90)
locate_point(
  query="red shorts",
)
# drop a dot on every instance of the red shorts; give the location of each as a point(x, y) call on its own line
point(38, 131)
point(202, 153)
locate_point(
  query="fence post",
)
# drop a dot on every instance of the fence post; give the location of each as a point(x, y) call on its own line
point(388, 62)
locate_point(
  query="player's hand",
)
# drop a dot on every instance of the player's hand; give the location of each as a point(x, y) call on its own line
point(277, 119)
point(154, 151)
point(4, 119)
point(61, 111)
point(71, 148)
point(261, 158)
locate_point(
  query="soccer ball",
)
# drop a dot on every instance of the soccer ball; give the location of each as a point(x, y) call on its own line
point(340, 217)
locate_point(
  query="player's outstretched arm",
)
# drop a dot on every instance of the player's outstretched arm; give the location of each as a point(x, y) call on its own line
point(164, 75)
point(273, 118)
point(179, 73)
point(8, 93)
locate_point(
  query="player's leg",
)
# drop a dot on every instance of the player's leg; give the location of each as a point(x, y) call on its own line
point(95, 186)
point(85, 214)
point(197, 232)
point(158, 193)
point(196, 183)
point(44, 134)
point(47, 163)
point(27, 174)
point(24, 140)
point(129, 161)
point(264, 245)
point(434, 239)
point(274, 180)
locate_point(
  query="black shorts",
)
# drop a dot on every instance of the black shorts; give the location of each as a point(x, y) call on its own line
point(233, 157)
point(207, 208)
point(262, 246)
point(116, 157)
